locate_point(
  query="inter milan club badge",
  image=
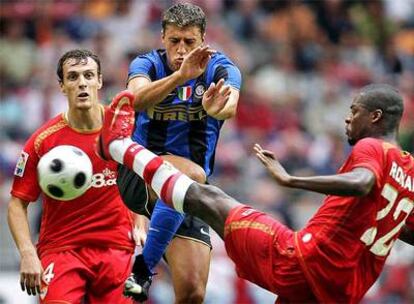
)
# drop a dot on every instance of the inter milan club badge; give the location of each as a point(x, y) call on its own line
point(184, 93)
point(200, 88)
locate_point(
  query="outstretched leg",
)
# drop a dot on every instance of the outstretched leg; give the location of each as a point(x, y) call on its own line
point(177, 190)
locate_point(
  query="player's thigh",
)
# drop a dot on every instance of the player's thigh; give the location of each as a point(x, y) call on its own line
point(111, 272)
point(189, 262)
point(64, 278)
point(264, 252)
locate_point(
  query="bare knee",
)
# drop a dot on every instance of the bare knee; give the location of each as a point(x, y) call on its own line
point(196, 173)
point(193, 292)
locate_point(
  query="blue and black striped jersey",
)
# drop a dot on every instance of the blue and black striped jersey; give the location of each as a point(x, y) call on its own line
point(179, 125)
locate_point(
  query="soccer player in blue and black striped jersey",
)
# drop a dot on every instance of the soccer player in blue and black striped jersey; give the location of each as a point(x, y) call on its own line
point(183, 95)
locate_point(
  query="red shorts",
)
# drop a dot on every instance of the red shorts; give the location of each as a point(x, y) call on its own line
point(85, 275)
point(264, 253)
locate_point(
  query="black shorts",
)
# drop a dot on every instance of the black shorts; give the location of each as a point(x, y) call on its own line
point(134, 193)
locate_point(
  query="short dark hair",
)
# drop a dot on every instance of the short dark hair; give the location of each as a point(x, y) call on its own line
point(183, 15)
point(80, 56)
point(387, 99)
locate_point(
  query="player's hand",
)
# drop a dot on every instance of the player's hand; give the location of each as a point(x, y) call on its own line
point(216, 98)
point(195, 63)
point(31, 272)
point(139, 235)
point(269, 160)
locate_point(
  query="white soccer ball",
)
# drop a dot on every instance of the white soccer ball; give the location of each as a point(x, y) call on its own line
point(64, 173)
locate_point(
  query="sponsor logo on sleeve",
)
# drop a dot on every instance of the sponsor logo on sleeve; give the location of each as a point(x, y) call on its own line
point(21, 164)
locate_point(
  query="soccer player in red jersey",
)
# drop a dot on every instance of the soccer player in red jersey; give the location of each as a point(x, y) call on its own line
point(340, 253)
point(85, 245)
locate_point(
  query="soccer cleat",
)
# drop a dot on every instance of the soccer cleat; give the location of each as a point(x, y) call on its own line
point(118, 122)
point(138, 284)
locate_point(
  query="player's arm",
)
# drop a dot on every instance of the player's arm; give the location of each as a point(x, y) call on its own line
point(407, 235)
point(149, 93)
point(357, 182)
point(30, 266)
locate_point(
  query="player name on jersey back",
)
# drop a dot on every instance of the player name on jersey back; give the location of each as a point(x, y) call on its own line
point(402, 178)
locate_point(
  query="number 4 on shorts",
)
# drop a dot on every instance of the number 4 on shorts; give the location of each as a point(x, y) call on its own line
point(48, 273)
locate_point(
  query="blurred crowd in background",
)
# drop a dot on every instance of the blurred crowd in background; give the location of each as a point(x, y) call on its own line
point(301, 61)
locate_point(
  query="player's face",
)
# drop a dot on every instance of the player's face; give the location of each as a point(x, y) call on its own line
point(81, 83)
point(357, 123)
point(178, 42)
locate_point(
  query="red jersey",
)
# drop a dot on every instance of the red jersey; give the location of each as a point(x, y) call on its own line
point(343, 248)
point(97, 218)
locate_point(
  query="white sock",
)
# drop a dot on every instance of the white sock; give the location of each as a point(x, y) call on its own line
point(168, 183)
point(118, 147)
